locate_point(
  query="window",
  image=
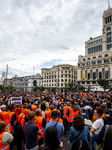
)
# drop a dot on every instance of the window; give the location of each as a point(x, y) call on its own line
point(61, 80)
point(99, 62)
point(100, 56)
point(88, 64)
point(94, 75)
point(108, 28)
point(61, 76)
point(93, 82)
point(65, 76)
point(83, 64)
point(106, 61)
point(61, 84)
point(69, 71)
point(106, 55)
point(65, 71)
point(109, 46)
point(88, 82)
point(100, 75)
point(109, 33)
point(84, 59)
point(61, 71)
point(95, 49)
point(94, 63)
point(109, 39)
point(88, 75)
point(94, 57)
point(65, 80)
point(89, 58)
point(83, 82)
point(106, 74)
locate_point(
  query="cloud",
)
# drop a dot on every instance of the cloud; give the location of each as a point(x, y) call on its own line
point(44, 33)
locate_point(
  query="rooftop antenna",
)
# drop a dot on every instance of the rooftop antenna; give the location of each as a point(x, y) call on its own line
point(108, 4)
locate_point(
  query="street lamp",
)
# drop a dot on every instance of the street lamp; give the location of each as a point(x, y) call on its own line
point(7, 73)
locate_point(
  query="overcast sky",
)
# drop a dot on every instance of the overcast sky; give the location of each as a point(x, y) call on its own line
point(43, 33)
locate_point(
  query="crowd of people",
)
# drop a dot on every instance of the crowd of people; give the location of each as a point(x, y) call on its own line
point(43, 118)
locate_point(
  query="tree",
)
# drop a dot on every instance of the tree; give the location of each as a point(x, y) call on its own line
point(81, 88)
point(10, 88)
point(1, 87)
point(103, 83)
point(66, 85)
point(41, 88)
point(89, 88)
point(35, 88)
point(70, 85)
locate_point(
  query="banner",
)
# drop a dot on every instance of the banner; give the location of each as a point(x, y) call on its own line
point(55, 102)
point(83, 75)
point(16, 100)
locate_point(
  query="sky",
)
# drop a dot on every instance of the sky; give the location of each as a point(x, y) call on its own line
point(37, 34)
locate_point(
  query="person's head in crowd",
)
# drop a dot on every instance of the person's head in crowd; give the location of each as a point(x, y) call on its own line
point(3, 107)
point(98, 112)
point(68, 103)
point(12, 107)
point(31, 116)
point(81, 104)
point(72, 102)
point(86, 103)
point(91, 104)
point(51, 107)
point(25, 105)
point(2, 126)
point(78, 123)
point(43, 107)
point(51, 138)
point(82, 110)
point(107, 113)
point(38, 112)
point(96, 104)
point(108, 105)
point(54, 114)
point(101, 102)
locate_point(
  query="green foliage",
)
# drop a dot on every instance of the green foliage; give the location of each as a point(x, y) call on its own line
point(103, 83)
point(81, 88)
point(41, 88)
point(1, 87)
point(35, 88)
point(70, 85)
point(22, 89)
point(66, 85)
point(89, 88)
point(10, 88)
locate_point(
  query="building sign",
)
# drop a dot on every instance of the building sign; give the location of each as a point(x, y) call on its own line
point(16, 100)
point(83, 75)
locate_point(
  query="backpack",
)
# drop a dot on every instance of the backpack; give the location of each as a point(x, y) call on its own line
point(80, 144)
point(18, 128)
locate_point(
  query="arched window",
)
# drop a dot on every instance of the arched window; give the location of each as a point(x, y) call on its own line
point(100, 56)
point(94, 57)
point(34, 83)
point(89, 58)
point(108, 28)
point(106, 55)
point(84, 59)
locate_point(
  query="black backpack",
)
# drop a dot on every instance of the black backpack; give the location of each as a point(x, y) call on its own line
point(18, 128)
point(80, 144)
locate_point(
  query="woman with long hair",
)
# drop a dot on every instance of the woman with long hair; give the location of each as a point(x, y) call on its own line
point(51, 140)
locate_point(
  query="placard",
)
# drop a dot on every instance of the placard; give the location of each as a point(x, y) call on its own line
point(55, 101)
point(16, 100)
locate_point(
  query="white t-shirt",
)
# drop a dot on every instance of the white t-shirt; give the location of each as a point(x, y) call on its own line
point(98, 124)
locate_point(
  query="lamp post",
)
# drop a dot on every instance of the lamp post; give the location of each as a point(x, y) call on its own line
point(7, 74)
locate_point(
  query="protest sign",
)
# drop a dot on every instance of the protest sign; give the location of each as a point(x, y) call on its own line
point(16, 100)
point(55, 101)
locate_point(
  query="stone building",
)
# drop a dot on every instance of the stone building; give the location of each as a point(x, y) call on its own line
point(97, 62)
point(25, 83)
point(57, 76)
